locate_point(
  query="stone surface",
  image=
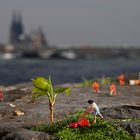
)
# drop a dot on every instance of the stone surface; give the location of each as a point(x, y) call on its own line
point(122, 112)
point(137, 136)
point(124, 105)
point(23, 134)
point(131, 127)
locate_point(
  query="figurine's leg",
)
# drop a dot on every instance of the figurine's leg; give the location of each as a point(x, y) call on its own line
point(115, 93)
point(101, 115)
point(111, 93)
point(94, 120)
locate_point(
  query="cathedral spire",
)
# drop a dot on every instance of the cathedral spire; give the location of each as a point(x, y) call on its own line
point(16, 29)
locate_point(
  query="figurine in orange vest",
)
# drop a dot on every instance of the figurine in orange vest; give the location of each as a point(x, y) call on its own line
point(113, 90)
point(1, 95)
point(96, 86)
point(121, 79)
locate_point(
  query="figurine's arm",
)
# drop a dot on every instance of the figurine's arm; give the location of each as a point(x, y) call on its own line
point(89, 109)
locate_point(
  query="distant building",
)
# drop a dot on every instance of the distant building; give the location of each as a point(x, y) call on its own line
point(38, 38)
point(35, 40)
point(16, 29)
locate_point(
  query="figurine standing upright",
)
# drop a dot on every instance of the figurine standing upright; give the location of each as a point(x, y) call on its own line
point(96, 86)
point(113, 89)
point(121, 79)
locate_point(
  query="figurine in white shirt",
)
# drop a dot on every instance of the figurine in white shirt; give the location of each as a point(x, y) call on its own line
point(93, 109)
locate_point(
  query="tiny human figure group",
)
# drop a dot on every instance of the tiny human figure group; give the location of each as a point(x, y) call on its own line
point(112, 88)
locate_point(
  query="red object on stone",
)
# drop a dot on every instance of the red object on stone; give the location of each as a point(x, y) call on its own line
point(82, 122)
point(1, 95)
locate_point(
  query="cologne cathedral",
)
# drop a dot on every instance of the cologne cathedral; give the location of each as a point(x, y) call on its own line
point(18, 37)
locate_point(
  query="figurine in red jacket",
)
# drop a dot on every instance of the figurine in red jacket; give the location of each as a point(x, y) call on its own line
point(113, 90)
point(96, 86)
point(121, 79)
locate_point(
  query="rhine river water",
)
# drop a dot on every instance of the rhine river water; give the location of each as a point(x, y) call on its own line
point(63, 71)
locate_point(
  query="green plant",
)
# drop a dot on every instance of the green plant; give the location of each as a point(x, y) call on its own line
point(44, 87)
point(107, 80)
point(86, 83)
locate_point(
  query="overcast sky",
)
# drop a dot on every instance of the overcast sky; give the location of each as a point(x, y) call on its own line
point(77, 22)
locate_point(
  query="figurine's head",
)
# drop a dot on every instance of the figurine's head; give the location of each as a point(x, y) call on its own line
point(90, 101)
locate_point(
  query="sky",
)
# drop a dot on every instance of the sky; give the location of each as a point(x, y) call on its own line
point(77, 22)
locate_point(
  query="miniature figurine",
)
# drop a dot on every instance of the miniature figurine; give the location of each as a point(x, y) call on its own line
point(93, 109)
point(113, 90)
point(121, 79)
point(1, 95)
point(96, 86)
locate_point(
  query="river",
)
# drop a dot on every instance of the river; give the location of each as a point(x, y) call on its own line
point(62, 70)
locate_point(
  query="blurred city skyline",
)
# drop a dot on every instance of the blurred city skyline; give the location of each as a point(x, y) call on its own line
point(77, 22)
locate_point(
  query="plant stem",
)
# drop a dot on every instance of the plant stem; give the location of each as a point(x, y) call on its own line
point(51, 114)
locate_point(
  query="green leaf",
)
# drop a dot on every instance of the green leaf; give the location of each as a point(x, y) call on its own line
point(62, 90)
point(41, 83)
point(41, 93)
point(36, 90)
point(37, 93)
point(50, 83)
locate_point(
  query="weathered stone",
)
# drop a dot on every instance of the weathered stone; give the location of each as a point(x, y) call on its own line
point(131, 127)
point(137, 136)
point(122, 112)
point(122, 106)
point(24, 134)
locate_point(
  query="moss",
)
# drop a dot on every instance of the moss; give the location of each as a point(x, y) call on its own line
point(101, 130)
